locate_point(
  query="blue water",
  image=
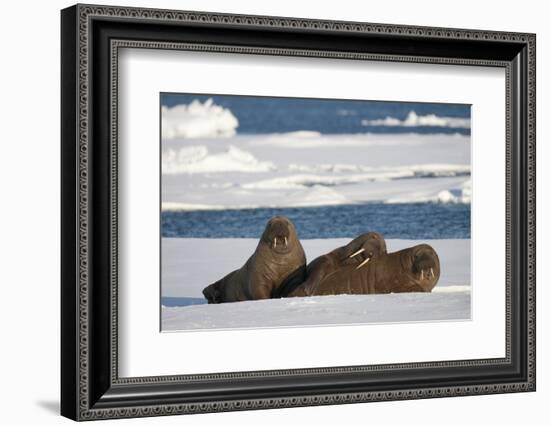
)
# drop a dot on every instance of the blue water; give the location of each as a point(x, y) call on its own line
point(407, 221)
point(261, 115)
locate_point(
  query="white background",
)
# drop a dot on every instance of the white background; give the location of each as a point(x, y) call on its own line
point(29, 229)
point(146, 352)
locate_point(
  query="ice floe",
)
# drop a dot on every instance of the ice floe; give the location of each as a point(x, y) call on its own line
point(197, 159)
point(198, 120)
point(415, 120)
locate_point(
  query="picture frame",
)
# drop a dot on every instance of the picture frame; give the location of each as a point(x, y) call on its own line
point(91, 37)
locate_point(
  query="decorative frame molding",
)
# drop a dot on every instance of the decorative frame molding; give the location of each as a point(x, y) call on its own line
point(91, 37)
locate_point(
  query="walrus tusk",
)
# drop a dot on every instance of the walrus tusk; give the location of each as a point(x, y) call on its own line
point(422, 274)
point(361, 250)
point(286, 242)
point(362, 263)
point(275, 242)
point(432, 271)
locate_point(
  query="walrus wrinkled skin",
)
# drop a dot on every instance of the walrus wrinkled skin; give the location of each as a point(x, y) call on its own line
point(278, 256)
point(355, 255)
point(414, 269)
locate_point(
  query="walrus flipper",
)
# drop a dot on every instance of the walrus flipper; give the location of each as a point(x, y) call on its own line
point(215, 292)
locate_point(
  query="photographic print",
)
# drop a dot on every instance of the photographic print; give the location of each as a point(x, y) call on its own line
point(361, 193)
point(283, 212)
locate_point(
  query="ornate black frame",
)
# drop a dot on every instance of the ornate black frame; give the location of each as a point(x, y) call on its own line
point(91, 37)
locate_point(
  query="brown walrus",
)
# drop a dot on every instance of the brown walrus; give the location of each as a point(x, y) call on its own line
point(278, 256)
point(414, 269)
point(356, 253)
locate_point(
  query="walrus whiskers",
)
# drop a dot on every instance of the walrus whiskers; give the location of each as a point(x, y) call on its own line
point(361, 250)
point(363, 263)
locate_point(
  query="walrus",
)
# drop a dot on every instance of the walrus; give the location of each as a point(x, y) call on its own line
point(414, 269)
point(278, 256)
point(356, 253)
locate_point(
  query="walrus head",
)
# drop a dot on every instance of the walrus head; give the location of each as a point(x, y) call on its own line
point(422, 263)
point(365, 247)
point(279, 235)
point(213, 293)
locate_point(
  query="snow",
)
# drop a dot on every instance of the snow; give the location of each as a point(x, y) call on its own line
point(457, 195)
point(415, 120)
point(309, 169)
point(196, 159)
point(189, 265)
point(198, 120)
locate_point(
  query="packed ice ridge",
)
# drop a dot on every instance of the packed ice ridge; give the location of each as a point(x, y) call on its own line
point(415, 120)
point(198, 120)
point(196, 159)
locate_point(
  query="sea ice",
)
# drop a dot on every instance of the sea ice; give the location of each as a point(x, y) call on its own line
point(309, 169)
point(188, 265)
